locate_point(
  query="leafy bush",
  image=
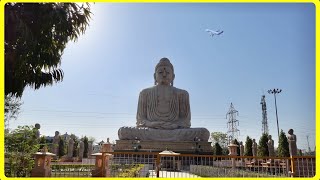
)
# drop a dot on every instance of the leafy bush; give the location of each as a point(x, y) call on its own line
point(20, 145)
point(126, 170)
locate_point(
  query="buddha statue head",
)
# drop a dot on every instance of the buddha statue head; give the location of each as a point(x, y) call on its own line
point(164, 73)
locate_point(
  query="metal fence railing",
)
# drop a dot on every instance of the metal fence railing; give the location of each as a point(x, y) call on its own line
point(144, 164)
point(152, 164)
point(303, 166)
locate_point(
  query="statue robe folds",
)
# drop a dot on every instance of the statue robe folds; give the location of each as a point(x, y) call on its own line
point(163, 115)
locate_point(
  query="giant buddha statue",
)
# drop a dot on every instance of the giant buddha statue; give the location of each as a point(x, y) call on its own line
point(163, 111)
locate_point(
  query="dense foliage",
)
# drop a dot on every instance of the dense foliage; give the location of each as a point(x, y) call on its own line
point(76, 141)
point(248, 147)
point(12, 108)
point(283, 146)
point(127, 170)
point(219, 137)
point(263, 146)
point(222, 139)
point(20, 145)
point(61, 148)
point(86, 149)
point(217, 149)
point(36, 35)
point(43, 142)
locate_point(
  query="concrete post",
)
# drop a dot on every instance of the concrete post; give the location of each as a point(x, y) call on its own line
point(101, 165)
point(107, 147)
point(233, 152)
point(42, 164)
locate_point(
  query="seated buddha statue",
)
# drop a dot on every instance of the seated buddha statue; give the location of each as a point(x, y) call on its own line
point(163, 111)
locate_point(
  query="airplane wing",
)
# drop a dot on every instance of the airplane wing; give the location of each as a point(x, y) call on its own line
point(212, 33)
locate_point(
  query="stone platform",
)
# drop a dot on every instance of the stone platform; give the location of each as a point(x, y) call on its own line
point(185, 147)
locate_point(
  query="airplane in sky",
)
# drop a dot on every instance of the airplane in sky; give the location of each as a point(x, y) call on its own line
point(212, 33)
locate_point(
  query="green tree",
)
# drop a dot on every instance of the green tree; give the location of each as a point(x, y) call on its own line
point(219, 137)
point(263, 146)
point(20, 145)
point(283, 146)
point(248, 147)
point(225, 151)
point(92, 139)
point(61, 149)
point(217, 149)
point(85, 152)
point(12, 108)
point(36, 35)
point(75, 145)
point(43, 142)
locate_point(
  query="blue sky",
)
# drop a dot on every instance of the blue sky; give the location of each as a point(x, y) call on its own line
point(264, 46)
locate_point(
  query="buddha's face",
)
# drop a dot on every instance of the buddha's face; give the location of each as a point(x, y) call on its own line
point(164, 75)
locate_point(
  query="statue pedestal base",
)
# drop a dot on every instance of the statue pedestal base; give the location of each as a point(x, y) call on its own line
point(185, 147)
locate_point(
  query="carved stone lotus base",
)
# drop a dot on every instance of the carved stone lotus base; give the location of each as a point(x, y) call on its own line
point(186, 147)
point(174, 135)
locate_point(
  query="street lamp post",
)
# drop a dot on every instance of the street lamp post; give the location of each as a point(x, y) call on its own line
point(274, 92)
